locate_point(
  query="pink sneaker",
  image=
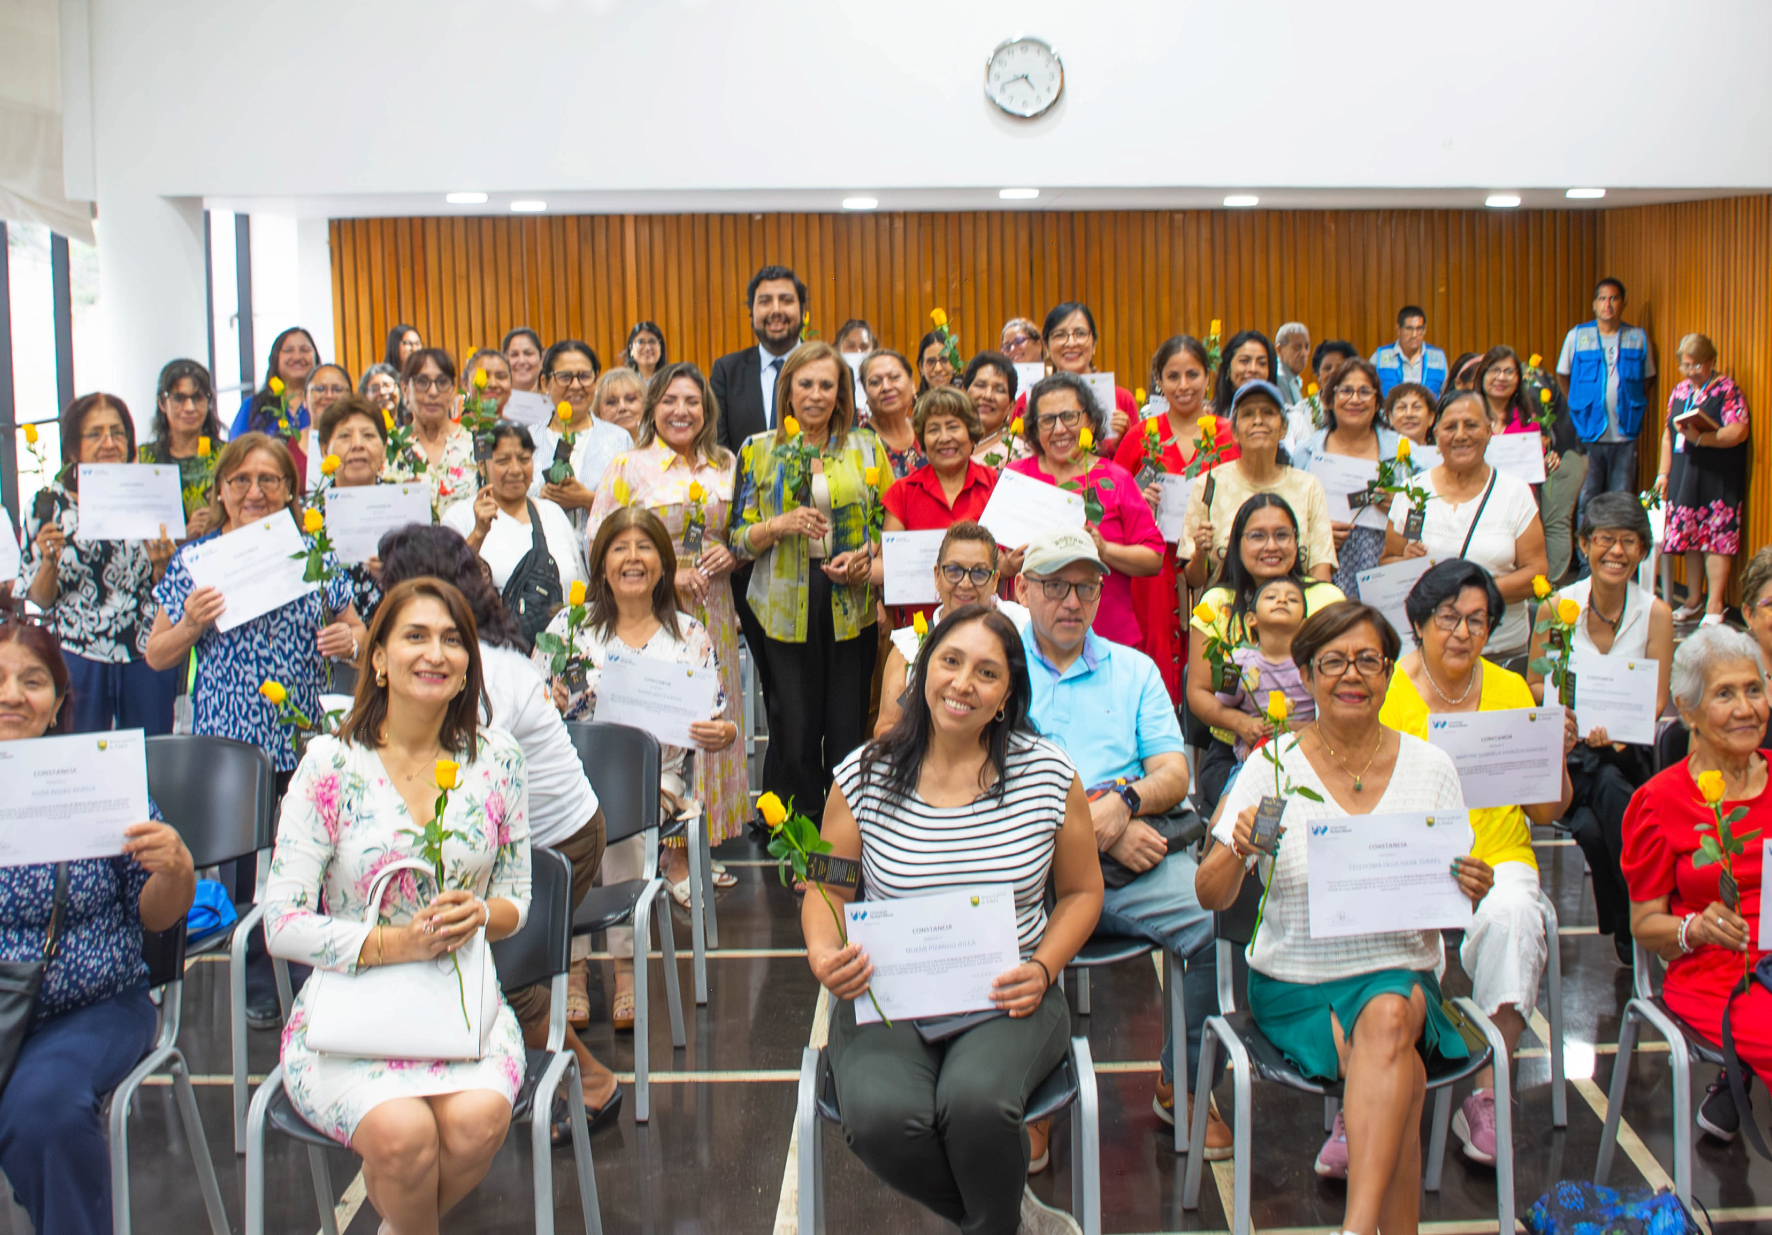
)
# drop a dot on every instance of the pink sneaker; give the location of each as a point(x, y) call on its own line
point(1332, 1158)
point(1475, 1126)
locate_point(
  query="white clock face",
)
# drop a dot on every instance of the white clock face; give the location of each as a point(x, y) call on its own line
point(1023, 76)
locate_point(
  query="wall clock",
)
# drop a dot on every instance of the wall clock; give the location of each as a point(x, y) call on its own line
point(1023, 76)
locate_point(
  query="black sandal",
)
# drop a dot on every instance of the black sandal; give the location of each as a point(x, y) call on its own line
point(560, 1118)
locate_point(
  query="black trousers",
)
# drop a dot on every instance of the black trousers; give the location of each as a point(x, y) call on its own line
point(816, 697)
point(1604, 781)
point(748, 625)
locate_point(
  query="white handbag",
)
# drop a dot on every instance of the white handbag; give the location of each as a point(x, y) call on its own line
point(413, 1010)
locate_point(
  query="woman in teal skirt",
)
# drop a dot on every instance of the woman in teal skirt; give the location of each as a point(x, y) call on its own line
point(1363, 1008)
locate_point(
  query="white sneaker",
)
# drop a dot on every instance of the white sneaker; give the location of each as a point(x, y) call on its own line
point(1039, 1218)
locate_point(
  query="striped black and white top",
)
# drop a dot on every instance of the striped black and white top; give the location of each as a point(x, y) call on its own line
point(910, 848)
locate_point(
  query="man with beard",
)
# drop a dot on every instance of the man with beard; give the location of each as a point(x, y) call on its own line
point(744, 381)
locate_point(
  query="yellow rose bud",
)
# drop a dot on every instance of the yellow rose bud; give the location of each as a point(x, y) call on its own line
point(1138, 397)
point(312, 520)
point(1209, 426)
point(30, 435)
point(773, 812)
point(387, 418)
point(1540, 586)
point(1712, 786)
point(696, 492)
point(203, 448)
point(448, 773)
point(1214, 328)
point(273, 691)
point(1205, 614)
point(939, 317)
point(790, 426)
point(1085, 438)
point(563, 412)
point(1015, 425)
point(1544, 396)
point(872, 476)
point(920, 624)
point(276, 385)
point(621, 491)
point(1534, 360)
point(1277, 705)
point(1403, 449)
point(329, 465)
point(575, 595)
point(479, 379)
point(1569, 611)
point(1312, 390)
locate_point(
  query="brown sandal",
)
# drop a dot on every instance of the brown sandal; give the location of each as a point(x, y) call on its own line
point(578, 999)
point(624, 1011)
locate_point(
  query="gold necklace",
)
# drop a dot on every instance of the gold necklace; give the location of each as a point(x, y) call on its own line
point(1358, 786)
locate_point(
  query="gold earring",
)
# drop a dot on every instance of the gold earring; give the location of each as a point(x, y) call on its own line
point(381, 677)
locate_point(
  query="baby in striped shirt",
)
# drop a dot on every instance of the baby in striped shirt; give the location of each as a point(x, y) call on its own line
point(1267, 665)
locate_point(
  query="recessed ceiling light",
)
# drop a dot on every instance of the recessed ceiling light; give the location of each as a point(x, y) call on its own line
point(1502, 201)
point(861, 203)
point(1018, 195)
point(1585, 193)
point(466, 199)
point(528, 207)
point(1241, 199)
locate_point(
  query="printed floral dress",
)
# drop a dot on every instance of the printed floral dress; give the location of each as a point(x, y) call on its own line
point(343, 821)
point(658, 478)
point(1706, 485)
point(451, 480)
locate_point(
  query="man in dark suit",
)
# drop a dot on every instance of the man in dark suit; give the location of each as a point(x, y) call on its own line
point(744, 384)
point(744, 381)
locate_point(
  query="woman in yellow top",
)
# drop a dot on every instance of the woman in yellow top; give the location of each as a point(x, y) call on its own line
point(1452, 611)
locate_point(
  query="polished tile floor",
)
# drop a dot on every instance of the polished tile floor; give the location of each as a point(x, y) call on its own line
point(715, 1156)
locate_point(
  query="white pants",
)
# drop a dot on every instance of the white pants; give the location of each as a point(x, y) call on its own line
point(1504, 948)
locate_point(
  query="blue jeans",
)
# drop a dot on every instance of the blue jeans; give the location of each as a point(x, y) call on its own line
point(52, 1141)
point(127, 696)
point(1160, 906)
point(1611, 468)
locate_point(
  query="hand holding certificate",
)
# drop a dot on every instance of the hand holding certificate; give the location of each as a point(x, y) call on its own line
point(1021, 508)
point(130, 501)
point(660, 696)
point(909, 559)
point(1371, 874)
point(71, 797)
point(934, 955)
point(1513, 757)
point(256, 568)
point(358, 517)
point(1616, 695)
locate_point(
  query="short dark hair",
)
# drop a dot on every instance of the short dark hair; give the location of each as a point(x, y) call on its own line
point(1331, 622)
point(415, 363)
point(653, 329)
point(1403, 390)
point(1331, 347)
point(341, 410)
point(1051, 384)
point(176, 371)
point(1338, 375)
point(487, 443)
point(378, 369)
point(73, 423)
point(853, 324)
point(419, 549)
point(1450, 396)
point(1619, 511)
point(1059, 312)
point(1411, 310)
point(1447, 581)
point(460, 731)
point(945, 401)
point(504, 344)
point(968, 530)
point(1609, 281)
point(396, 336)
point(988, 360)
point(569, 345)
point(1167, 350)
point(767, 274)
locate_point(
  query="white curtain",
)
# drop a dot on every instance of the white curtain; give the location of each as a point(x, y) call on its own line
point(31, 185)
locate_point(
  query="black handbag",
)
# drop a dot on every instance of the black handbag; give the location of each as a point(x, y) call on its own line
point(1181, 827)
point(21, 980)
point(533, 591)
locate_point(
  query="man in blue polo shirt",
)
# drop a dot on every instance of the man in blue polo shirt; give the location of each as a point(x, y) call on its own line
point(1411, 358)
point(1604, 370)
point(1105, 705)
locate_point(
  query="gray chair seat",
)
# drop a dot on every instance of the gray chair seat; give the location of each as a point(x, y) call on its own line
point(607, 906)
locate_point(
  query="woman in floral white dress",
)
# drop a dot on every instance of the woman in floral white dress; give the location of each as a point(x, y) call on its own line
point(439, 443)
point(426, 1130)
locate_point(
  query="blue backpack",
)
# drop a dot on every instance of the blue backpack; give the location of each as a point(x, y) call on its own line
point(1576, 1207)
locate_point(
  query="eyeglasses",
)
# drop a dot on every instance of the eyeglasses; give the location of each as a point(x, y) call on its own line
point(980, 575)
point(196, 400)
point(1335, 665)
point(345, 390)
point(1068, 419)
point(1019, 339)
point(270, 486)
point(1450, 620)
point(1279, 539)
point(1500, 372)
point(431, 385)
point(1607, 540)
point(1057, 589)
point(1082, 334)
point(1354, 392)
point(95, 436)
point(569, 380)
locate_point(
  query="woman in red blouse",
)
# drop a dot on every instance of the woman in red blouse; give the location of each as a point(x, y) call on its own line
point(1680, 910)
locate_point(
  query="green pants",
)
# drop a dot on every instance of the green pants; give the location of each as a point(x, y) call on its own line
point(942, 1123)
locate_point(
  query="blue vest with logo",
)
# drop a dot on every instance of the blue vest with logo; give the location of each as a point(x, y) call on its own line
point(1388, 360)
point(1587, 381)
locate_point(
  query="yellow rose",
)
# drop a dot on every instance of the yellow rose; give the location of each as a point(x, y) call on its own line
point(1711, 785)
point(329, 465)
point(1403, 449)
point(621, 491)
point(448, 773)
point(939, 317)
point(1540, 586)
point(1205, 614)
point(563, 412)
point(773, 812)
point(1312, 390)
point(696, 492)
point(203, 448)
point(312, 520)
point(576, 594)
point(1569, 611)
point(920, 624)
point(273, 691)
point(1209, 426)
point(872, 476)
point(479, 379)
point(1544, 396)
point(790, 426)
point(1277, 705)
point(1015, 425)
point(1214, 329)
point(1534, 360)
point(1138, 397)
point(276, 385)
point(387, 418)
point(1085, 438)
point(30, 435)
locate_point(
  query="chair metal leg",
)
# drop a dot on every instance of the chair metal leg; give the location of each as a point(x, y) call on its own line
point(1331, 1108)
point(708, 889)
point(323, 1194)
point(699, 895)
point(811, 1157)
point(1086, 1141)
point(1435, 1164)
point(186, 1097)
point(592, 1210)
point(541, 1153)
point(1175, 1008)
point(254, 1201)
point(1554, 976)
point(1621, 1062)
point(1082, 992)
point(667, 944)
point(642, 1020)
point(1504, 1113)
point(237, 1015)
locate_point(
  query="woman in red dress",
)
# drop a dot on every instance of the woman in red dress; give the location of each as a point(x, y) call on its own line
point(1178, 371)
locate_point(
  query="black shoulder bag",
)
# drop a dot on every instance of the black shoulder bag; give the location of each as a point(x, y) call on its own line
point(1478, 517)
point(21, 980)
point(533, 592)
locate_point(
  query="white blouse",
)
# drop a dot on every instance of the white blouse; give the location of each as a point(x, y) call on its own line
point(1631, 639)
point(1510, 511)
point(508, 540)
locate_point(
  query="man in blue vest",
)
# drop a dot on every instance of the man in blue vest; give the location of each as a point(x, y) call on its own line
point(1411, 358)
point(1604, 371)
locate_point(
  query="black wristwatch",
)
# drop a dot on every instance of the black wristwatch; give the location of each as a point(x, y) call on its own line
point(1129, 795)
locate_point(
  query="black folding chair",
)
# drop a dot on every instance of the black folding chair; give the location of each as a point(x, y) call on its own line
point(540, 952)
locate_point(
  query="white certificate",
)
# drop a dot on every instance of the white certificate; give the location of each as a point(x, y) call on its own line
point(130, 501)
point(529, 407)
point(9, 549)
point(853, 360)
point(1027, 374)
point(1373, 874)
point(1022, 507)
point(1385, 588)
point(909, 559)
point(934, 955)
point(660, 696)
point(70, 797)
point(1172, 505)
point(253, 568)
point(357, 517)
point(1765, 901)
point(1512, 757)
point(1517, 454)
point(1341, 476)
point(1616, 695)
point(1101, 385)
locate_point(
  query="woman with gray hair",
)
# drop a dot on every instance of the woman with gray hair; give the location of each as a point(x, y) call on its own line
point(1062, 425)
point(1683, 909)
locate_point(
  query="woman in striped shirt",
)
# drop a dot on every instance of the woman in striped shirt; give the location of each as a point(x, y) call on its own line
point(962, 792)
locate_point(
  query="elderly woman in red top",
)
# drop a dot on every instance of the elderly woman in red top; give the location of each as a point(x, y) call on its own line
point(948, 488)
point(1681, 907)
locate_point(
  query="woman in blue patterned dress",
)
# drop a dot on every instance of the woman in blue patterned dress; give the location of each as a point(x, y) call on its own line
point(93, 1018)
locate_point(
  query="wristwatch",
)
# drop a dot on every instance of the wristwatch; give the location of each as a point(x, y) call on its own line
point(1129, 795)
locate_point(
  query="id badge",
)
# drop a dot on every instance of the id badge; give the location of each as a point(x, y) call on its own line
point(1267, 823)
point(692, 538)
point(1361, 500)
point(1147, 475)
point(1566, 691)
point(1412, 525)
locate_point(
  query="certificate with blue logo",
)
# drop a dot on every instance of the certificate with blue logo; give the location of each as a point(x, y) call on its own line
point(1512, 757)
point(1372, 874)
point(934, 955)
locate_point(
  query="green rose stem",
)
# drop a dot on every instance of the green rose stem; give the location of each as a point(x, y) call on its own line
point(793, 841)
point(430, 847)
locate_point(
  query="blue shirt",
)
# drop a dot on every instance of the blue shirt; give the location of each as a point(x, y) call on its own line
point(1109, 711)
point(100, 953)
